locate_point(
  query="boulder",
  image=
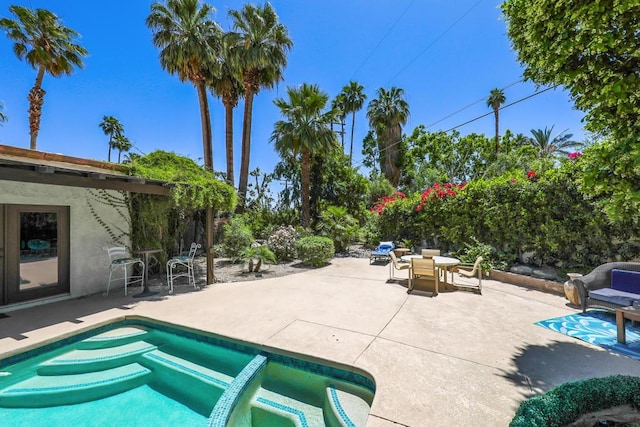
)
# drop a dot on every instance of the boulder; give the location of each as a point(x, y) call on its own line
point(521, 269)
point(546, 273)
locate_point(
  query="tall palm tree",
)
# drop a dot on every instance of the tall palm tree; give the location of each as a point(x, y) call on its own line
point(339, 105)
point(228, 86)
point(495, 100)
point(263, 45)
point(48, 47)
point(111, 127)
point(190, 45)
point(558, 145)
point(122, 143)
point(354, 100)
point(3, 116)
point(304, 133)
point(387, 114)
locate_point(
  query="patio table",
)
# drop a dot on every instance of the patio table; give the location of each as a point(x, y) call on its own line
point(146, 292)
point(442, 262)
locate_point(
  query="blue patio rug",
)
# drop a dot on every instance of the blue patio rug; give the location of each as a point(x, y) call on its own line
point(597, 327)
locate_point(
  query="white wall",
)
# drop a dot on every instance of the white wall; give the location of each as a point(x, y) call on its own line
point(88, 261)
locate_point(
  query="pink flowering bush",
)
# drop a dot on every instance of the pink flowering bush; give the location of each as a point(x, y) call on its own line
point(386, 201)
point(282, 242)
point(574, 156)
point(439, 191)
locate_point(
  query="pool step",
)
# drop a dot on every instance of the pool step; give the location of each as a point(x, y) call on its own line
point(192, 384)
point(43, 391)
point(114, 337)
point(80, 361)
point(345, 408)
point(276, 409)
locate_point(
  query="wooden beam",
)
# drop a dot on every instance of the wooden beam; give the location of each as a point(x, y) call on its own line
point(57, 178)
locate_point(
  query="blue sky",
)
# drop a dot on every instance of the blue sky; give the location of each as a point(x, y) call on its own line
point(446, 55)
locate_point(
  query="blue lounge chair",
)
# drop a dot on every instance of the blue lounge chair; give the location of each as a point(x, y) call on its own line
point(381, 252)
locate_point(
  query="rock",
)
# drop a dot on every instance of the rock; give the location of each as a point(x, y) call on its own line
point(527, 257)
point(521, 269)
point(546, 273)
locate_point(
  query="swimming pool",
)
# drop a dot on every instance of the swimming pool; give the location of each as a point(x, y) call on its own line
point(138, 372)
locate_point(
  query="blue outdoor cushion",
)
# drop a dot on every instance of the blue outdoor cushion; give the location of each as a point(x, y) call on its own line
point(614, 296)
point(626, 281)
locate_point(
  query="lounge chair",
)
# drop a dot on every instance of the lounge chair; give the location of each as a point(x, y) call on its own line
point(395, 264)
point(470, 270)
point(425, 269)
point(381, 252)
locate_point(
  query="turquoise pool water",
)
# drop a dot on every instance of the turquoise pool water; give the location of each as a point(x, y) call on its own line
point(140, 373)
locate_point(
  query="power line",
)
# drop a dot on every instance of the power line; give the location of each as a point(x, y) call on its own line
point(502, 108)
point(474, 119)
point(434, 41)
point(484, 98)
point(383, 39)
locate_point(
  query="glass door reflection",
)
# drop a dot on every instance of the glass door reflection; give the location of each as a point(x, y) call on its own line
point(38, 250)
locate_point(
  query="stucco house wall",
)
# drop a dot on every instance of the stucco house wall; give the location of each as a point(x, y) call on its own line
point(88, 261)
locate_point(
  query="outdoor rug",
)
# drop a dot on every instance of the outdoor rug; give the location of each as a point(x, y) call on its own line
point(597, 327)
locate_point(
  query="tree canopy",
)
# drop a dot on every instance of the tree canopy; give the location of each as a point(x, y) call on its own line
point(590, 48)
point(194, 187)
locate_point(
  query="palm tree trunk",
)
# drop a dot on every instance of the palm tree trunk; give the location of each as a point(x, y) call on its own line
point(304, 190)
point(119, 153)
point(205, 121)
point(353, 124)
point(228, 111)
point(207, 145)
point(496, 113)
point(393, 137)
point(246, 148)
point(110, 142)
point(36, 100)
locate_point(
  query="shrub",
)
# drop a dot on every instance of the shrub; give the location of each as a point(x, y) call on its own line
point(315, 251)
point(261, 254)
point(282, 242)
point(237, 237)
point(336, 224)
point(568, 402)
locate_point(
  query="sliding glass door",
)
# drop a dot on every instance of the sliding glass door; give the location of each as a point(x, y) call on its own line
point(36, 252)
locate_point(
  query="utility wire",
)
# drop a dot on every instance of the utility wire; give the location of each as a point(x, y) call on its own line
point(382, 39)
point(502, 108)
point(472, 120)
point(434, 42)
point(484, 98)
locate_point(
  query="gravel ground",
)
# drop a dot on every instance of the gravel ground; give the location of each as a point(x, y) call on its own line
point(227, 271)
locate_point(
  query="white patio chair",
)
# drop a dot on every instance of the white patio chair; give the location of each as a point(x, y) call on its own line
point(182, 266)
point(119, 258)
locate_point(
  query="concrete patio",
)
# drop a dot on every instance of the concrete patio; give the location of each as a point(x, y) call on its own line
point(457, 359)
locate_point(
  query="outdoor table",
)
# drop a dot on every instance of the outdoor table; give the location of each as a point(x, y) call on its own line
point(146, 292)
point(442, 262)
point(633, 313)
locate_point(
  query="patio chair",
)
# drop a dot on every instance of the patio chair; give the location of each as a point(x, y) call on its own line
point(424, 269)
point(426, 253)
point(381, 252)
point(119, 258)
point(470, 270)
point(396, 265)
point(182, 266)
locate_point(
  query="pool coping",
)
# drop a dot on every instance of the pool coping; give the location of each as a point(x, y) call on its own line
point(318, 365)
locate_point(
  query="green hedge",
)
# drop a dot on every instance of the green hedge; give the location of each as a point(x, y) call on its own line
point(545, 214)
point(568, 402)
point(315, 251)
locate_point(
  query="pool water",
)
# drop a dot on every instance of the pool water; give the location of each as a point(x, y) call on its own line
point(141, 373)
